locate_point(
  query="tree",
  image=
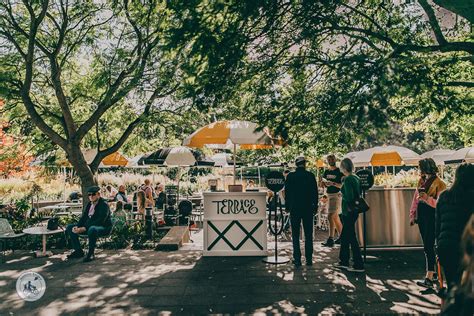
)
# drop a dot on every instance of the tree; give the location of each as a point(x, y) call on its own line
point(72, 63)
point(342, 68)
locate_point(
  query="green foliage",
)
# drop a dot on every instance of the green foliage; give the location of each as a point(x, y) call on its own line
point(326, 75)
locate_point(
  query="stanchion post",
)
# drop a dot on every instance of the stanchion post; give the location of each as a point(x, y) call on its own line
point(364, 229)
point(275, 181)
point(148, 223)
point(275, 205)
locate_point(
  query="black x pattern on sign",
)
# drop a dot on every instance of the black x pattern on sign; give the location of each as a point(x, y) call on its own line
point(221, 235)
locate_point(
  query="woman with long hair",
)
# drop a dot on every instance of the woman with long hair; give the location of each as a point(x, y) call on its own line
point(422, 212)
point(351, 190)
point(141, 204)
point(455, 207)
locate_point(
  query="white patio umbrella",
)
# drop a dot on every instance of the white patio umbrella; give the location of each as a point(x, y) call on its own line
point(178, 156)
point(461, 155)
point(438, 155)
point(133, 162)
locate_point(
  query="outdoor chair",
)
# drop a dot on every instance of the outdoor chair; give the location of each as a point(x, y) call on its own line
point(102, 239)
point(7, 233)
point(322, 222)
point(185, 208)
point(197, 213)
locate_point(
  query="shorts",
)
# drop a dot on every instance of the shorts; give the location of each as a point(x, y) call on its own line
point(334, 202)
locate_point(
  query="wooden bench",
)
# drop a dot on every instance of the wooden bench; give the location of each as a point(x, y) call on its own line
point(174, 239)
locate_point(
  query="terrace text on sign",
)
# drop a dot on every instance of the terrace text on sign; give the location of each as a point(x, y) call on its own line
point(234, 206)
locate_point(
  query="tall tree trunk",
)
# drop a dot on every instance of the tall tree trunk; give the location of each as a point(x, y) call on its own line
point(76, 158)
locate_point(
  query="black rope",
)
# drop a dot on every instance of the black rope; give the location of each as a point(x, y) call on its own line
point(275, 205)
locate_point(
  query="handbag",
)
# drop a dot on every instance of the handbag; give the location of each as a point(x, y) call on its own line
point(53, 223)
point(359, 206)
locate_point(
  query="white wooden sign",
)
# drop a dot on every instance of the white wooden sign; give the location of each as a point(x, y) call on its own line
point(235, 224)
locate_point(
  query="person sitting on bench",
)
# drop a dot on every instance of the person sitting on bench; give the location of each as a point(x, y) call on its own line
point(95, 222)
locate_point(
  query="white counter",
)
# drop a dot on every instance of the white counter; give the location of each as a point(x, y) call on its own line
point(235, 224)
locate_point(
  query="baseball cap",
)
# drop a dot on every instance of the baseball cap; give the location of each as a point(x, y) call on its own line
point(93, 189)
point(300, 159)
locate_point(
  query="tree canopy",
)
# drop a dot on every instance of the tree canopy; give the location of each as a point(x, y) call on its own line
point(327, 73)
point(323, 75)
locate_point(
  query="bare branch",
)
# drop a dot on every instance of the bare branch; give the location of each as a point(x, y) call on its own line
point(433, 22)
point(465, 84)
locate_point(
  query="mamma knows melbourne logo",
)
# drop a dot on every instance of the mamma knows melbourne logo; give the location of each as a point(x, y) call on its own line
point(30, 286)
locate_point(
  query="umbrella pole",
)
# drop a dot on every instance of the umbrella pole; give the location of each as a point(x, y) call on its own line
point(235, 149)
point(258, 170)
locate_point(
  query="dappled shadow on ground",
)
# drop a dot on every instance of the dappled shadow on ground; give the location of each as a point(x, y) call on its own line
point(185, 282)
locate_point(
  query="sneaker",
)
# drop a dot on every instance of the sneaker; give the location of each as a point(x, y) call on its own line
point(427, 283)
point(75, 255)
point(297, 263)
point(341, 265)
point(442, 293)
point(328, 243)
point(356, 269)
point(337, 241)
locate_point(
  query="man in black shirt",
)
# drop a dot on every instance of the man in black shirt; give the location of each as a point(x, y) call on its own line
point(301, 193)
point(95, 222)
point(333, 183)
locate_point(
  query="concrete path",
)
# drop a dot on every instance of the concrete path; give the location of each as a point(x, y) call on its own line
point(184, 282)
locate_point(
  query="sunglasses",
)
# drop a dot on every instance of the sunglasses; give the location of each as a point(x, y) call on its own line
point(91, 194)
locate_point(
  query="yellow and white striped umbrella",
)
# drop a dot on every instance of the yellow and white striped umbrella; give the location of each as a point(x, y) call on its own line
point(231, 134)
point(226, 134)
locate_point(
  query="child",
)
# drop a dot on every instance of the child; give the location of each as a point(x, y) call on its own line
point(323, 204)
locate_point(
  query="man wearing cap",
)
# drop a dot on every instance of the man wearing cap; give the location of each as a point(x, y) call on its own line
point(301, 193)
point(95, 222)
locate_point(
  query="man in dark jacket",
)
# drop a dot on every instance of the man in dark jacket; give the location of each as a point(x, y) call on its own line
point(95, 222)
point(301, 194)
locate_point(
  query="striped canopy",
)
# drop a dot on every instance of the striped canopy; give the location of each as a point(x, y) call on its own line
point(226, 134)
point(384, 156)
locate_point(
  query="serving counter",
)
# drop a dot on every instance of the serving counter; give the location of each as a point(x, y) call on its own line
point(235, 224)
point(388, 220)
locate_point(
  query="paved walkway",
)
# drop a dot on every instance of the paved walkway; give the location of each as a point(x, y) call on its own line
point(184, 282)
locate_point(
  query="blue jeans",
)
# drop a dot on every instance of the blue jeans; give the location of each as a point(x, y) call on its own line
point(92, 233)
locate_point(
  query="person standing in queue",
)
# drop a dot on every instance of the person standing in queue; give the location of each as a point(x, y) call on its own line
point(422, 212)
point(351, 190)
point(301, 194)
point(333, 183)
point(454, 208)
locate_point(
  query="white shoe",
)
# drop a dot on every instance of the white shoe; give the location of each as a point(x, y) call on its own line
point(341, 266)
point(352, 269)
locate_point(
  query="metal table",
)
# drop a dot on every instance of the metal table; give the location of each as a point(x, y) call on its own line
point(42, 230)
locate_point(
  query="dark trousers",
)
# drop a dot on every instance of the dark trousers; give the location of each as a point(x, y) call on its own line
point(349, 241)
point(308, 235)
point(92, 233)
point(450, 259)
point(426, 224)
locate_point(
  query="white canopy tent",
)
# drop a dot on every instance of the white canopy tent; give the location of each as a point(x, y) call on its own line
point(438, 155)
point(461, 155)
